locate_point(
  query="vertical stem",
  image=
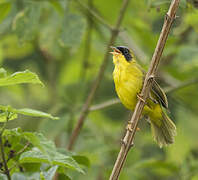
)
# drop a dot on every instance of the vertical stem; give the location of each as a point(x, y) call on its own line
point(6, 171)
point(85, 110)
point(129, 136)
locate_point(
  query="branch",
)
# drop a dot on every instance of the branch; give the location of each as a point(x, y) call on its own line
point(167, 90)
point(19, 152)
point(6, 170)
point(104, 104)
point(94, 14)
point(129, 136)
point(123, 35)
point(85, 109)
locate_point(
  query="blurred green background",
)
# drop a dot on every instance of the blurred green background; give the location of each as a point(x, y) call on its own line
point(64, 44)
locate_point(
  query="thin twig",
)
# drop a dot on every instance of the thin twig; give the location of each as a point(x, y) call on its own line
point(167, 90)
point(23, 149)
point(95, 15)
point(19, 152)
point(6, 170)
point(123, 34)
point(129, 136)
point(99, 77)
point(104, 104)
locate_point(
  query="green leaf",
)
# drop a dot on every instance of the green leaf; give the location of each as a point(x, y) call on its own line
point(49, 152)
point(13, 136)
point(72, 30)
point(12, 132)
point(35, 113)
point(3, 116)
point(14, 141)
point(26, 111)
point(38, 140)
point(46, 152)
point(48, 175)
point(20, 78)
point(7, 112)
point(36, 156)
point(82, 160)
point(4, 9)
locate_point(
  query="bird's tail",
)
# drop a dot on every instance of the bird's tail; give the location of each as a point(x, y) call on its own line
point(163, 134)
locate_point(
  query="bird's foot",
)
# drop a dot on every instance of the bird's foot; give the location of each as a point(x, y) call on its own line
point(139, 96)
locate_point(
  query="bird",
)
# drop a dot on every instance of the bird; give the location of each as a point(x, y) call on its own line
point(128, 78)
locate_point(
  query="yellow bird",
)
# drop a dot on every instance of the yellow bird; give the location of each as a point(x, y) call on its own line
point(128, 78)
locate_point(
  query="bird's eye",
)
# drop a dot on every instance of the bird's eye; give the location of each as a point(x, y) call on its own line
point(127, 55)
point(125, 51)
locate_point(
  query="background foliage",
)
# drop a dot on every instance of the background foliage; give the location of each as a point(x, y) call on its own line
point(63, 43)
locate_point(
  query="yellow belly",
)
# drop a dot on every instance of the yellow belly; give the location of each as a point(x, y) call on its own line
point(128, 83)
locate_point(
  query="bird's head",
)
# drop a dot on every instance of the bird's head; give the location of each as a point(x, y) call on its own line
point(121, 54)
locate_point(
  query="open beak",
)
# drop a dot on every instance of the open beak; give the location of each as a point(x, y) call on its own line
point(115, 50)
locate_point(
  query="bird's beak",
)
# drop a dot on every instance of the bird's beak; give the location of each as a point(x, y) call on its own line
point(115, 50)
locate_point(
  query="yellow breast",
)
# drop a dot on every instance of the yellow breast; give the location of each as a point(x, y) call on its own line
point(128, 79)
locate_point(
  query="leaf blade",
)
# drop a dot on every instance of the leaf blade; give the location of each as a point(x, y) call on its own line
point(20, 78)
point(35, 113)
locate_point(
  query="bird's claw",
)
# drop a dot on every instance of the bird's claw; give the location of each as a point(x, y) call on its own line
point(141, 98)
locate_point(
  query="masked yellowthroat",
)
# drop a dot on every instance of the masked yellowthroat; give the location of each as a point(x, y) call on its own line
point(128, 78)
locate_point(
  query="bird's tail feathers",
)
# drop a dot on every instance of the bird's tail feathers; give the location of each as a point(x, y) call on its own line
point(164, 134)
